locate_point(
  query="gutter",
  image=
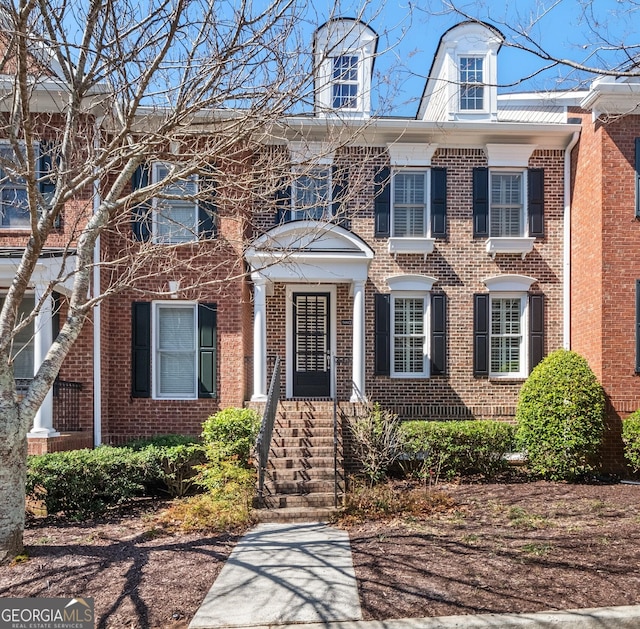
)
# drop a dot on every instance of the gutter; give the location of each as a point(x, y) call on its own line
point(566, 290)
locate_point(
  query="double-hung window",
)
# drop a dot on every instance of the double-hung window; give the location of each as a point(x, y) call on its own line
point(471, 77)
point(344, 88)
point(312, 194)
point(14, 211)
point(175, 209)
point(507, 209)
point(409, 341)
point(409, 208)
point(22, 351)
point(507, 336)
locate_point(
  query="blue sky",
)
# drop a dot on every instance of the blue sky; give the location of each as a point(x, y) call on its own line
point(566, 28)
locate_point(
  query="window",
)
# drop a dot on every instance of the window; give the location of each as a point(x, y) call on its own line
point(409, 350)
point(312, 195)
point(14, 211)
point(22, 347)
point(175, 216)
point(507, 349)
point(471, 88)
point(409, 210)
point(344, 87)
point(507, 206)
point(174, 350)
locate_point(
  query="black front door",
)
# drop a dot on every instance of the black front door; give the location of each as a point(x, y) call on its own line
point(311, 357)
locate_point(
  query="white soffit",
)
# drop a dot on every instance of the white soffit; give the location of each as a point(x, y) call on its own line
point(509, 154)
point(509, 283)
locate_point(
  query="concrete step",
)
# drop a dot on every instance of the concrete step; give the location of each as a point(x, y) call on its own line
point(301, 442)
point(281, 501)
point(295, 514)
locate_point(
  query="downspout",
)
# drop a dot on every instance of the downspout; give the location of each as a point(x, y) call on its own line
point(97, 325)
point(566, 315)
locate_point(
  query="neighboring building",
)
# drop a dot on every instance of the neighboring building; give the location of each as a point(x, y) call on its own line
point(605, 233)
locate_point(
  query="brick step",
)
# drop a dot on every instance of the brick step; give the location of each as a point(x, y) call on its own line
point(295, 514)
point(306, 405)
point(278, 442)
point(302, 463)
point(281, 501)
point(318, 431)
point(303, 422)
point(302, 487)
point(290, 475)
point(301, 452)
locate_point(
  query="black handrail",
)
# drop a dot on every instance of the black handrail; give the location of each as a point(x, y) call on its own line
point(263, 441)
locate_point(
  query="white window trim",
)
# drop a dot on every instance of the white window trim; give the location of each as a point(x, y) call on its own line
point(154, 205)
point(156, 305)
point(523, 244)
point(524, 335)
point(424, 244)
point(359, 82)
point(36, 148)
point(426, 329)
point(485, 93)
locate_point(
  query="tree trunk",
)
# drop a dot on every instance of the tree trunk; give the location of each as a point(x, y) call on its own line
point(13, 473)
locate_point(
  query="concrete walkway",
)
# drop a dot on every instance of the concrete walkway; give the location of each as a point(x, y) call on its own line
point(301, 576)
point(281, 574)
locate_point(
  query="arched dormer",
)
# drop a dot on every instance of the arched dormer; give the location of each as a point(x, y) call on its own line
point(462, 83)
point(344, 51)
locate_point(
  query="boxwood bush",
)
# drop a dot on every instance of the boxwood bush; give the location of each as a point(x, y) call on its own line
point(560, 417)
point(83, 483)
point(631, 440)
point(457, 448)
point(231, 434)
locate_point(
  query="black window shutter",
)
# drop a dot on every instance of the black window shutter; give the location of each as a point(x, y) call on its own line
point(140, 349)
point(536, 202)
point(382, 202)
point(141, 213)
point(47, 179)
point(637, 177)
point(339, 183)
point(283, 202)
point(438, 334)
point(207, 350)
point(207, 209)
point(637, 326)
point(382, 334)
point(536, 330)
point(56, 304)
point(481, 202)
point(481, 335)
point(438, 202)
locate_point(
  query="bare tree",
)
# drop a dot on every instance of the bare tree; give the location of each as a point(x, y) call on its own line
point(91, 91)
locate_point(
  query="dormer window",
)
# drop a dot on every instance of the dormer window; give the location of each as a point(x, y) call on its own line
point(345, 82)
point(471, 84)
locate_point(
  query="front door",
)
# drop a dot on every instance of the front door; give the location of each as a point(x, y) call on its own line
point(311, 343)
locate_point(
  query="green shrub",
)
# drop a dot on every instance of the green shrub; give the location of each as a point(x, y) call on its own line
point(377, 441)
point(231, 433)
point(560, 417)
point(82, 483)
point(174, 460)
point(456, 448)
point(631, 439)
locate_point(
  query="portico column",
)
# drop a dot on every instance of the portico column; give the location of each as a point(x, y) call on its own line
point(358, 377)
point(42, 340)
point(259, 340)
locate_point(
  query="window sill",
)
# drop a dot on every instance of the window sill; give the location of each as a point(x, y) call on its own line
point(507, 377)
point(521, 246)
point(422, 246)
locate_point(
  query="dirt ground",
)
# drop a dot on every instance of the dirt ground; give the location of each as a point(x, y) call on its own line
point(499, 547)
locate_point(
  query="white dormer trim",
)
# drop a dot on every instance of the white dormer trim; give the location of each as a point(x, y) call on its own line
point(509, 283)
point(509, 155)
point(334, 39)
point(411, 154)
point(422, 283)
point(319, 153)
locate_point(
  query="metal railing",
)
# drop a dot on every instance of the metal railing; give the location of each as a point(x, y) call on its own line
point(66, 403)
point(337, 478)
point(263, 441)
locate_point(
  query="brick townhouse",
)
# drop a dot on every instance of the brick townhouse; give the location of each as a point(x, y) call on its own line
point(422, 264)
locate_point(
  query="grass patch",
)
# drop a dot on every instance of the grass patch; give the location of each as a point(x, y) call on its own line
point(537, 549)
point(520, 518)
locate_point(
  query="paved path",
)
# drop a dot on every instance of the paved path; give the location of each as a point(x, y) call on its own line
point(284, 573)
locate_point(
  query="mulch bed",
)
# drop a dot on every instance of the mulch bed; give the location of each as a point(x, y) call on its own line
point(497, 548)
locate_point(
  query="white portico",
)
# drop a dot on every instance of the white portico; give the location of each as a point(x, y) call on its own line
point(311, 258)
